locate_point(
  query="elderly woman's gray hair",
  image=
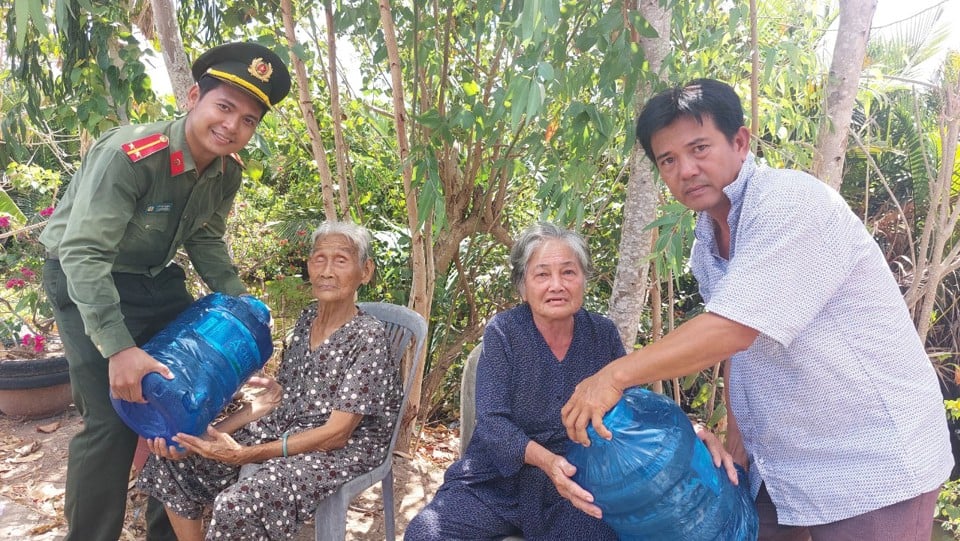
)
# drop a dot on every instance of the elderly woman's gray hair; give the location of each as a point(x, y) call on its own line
point(356, 234)
point(536, 236)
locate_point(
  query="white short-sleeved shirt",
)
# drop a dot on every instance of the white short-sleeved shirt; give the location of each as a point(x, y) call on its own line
point(838, 404)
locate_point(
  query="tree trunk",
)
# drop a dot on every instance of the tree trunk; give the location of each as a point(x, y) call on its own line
point(336, 111)
point(936, 257)
point(630, 282)
point(420, 300)
point(171, 44)
point(306, 108)
point(849, 52)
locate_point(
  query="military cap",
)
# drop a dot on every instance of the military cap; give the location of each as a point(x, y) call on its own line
point(249, 66)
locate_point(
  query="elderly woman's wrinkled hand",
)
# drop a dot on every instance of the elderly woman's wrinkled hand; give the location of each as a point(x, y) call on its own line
point(267, 399)
point(717, 451)
point(214, 445)
point(560, 472)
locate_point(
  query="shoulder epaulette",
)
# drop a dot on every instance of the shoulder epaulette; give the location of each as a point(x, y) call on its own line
point(236, 158)
point(141, 148)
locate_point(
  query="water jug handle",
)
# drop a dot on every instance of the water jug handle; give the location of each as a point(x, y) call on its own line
point(153, 387)
point(192, 402)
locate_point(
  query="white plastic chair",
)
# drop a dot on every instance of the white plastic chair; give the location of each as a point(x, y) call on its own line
point(468, 405)
point(403, 325)
point(468, 397)
point(330, 518)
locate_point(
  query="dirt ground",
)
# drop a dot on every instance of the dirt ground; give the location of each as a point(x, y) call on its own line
point(33, 458)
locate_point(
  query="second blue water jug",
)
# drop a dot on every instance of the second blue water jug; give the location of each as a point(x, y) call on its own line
point(211, 348)
point(655, 480)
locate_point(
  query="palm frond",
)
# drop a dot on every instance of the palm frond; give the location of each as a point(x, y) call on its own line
point(898, 49)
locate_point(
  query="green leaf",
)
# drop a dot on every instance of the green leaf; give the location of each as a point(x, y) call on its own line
point(665, 220)
point(301, 51)
point(519, 89)
point(528, 19)
point(431, 119)
point(642, 26)
point(21, 14)
point(470, 88)
point(550, 9)
point(38, 18)
point(535, 99)
point(464, 119)
point(545, 71)
point(7, 206)
point(62, 14)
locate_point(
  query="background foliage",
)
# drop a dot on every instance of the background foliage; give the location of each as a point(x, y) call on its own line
point(519, 110)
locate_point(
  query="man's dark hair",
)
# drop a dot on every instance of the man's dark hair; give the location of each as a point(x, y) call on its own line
point(207, 83)
point(698, 98)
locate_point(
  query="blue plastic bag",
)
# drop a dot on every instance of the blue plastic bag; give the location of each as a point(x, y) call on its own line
point(655, 480)
point(212, 348)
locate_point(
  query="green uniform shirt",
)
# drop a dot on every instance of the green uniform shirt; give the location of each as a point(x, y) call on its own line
point(129, 210)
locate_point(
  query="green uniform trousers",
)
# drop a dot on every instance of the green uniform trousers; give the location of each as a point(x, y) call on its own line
point(101, 454)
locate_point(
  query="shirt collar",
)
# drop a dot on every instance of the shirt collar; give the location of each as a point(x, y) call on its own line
point(179, 148)
point(735, 192)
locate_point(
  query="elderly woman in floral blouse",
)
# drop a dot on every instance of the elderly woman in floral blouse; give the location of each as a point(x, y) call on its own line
point(327, 418)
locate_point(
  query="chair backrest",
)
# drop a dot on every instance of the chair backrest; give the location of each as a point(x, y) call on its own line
point(468, 406)
point(402, 325)
point(468, 397)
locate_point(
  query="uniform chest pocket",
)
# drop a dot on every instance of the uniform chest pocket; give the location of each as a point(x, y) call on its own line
point(151, 222)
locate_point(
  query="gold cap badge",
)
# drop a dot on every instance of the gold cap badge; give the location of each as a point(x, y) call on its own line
point(260, 69)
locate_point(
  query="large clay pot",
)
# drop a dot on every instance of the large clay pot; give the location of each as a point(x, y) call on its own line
point(34, 388)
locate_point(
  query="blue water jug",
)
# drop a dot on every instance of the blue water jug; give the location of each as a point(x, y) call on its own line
point(655, 480)
point(214, 346)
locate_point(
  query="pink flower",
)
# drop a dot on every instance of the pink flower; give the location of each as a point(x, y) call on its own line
point(4, 222)
point(46, 212)
point(14, 283)
point(35, 341)
point(27, 273)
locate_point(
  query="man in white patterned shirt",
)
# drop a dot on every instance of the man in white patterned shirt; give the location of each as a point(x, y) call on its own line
point(837, 413)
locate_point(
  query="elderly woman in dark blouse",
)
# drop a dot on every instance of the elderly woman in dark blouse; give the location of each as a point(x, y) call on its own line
point(513, 478)
point(326, 419)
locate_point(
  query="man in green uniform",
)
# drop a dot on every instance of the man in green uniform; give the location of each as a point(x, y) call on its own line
point(141, 193)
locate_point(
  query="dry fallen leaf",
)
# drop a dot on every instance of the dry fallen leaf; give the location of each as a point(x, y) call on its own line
point(43, 528)
point(32, 457)
point(14, 473)
point(9, 443)
point(45, 492)
point(31, 447)
point(49, 428)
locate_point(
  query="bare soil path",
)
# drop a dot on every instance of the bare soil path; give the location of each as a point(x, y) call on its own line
point(33, 458)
